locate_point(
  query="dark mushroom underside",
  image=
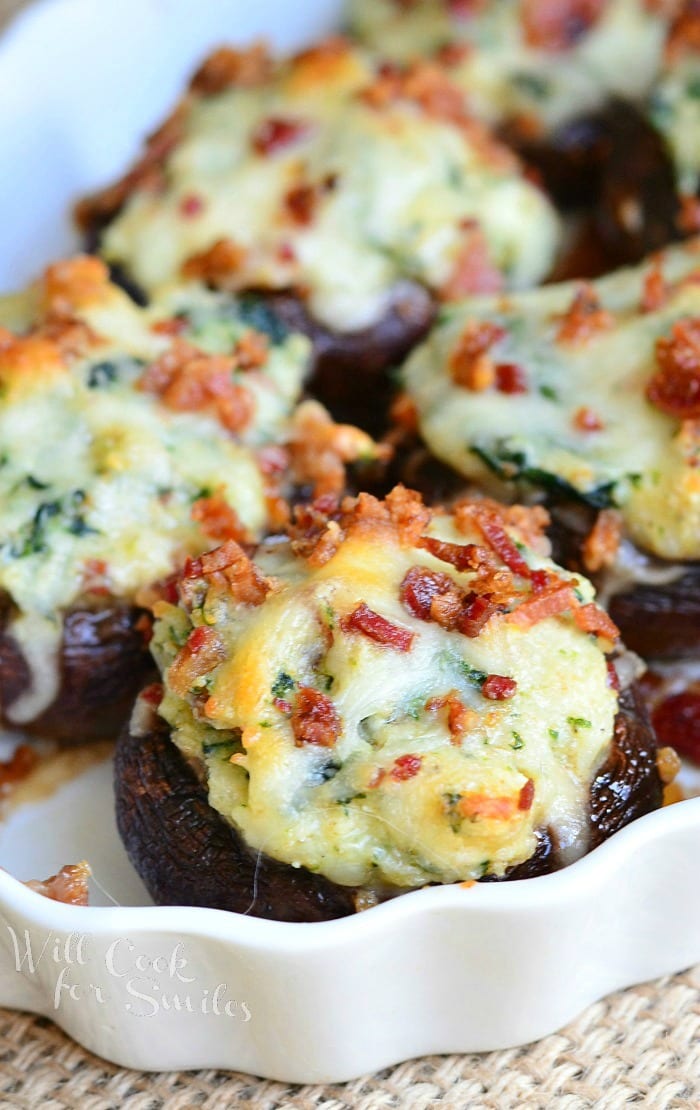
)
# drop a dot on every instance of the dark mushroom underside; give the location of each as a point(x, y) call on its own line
point(187, 854)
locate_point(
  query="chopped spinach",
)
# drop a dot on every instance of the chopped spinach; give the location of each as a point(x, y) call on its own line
point(510, 466)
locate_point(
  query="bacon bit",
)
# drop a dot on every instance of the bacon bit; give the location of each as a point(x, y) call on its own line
point(144, 625)
point(668, 764)
point(556, 25)
point(404, 413)
point(219, 265)
point(677, 722)
point(675, 388)
point(21, 763)
point(275, 133)
point(175, 325)
point(187, 380)
point(602, 543)
point(477, 610)
point(591, 618)
point(473, 271)
point(406, 767)
point(482, 807)
point(378, 776)
point(95, 577)
point(301, 202)
point(460, 719)
point(203, 651)
point(226, 67)
point(422, 83)
point(408, 514)
point(94, 211)
point(462, 556)
point(498, 687)
point(218, 519)
point(433, 596)
point(538, 607)
point(510, 378)
point(470, 366)
point(685, 30)
point(239, 573)
point(74, 284)
point(587, 420)
point(418, 589)
point(251, 351)
point(153, 694)
point(490, 526)
point(283, 705)
point(314, 719)
point(319, 449)
point(377, 628)
point(613, 676)
point(526, 796)
point(452, 54)
point(191, 205)
point(584, 317)
point(689, 216)
point(654, 289)
point(69, 885)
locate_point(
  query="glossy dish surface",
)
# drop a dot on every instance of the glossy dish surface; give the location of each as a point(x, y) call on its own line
point(438, 970)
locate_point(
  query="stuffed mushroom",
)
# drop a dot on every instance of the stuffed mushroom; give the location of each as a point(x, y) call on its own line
point(587, 395)
point(392, 697)
point(129, 439)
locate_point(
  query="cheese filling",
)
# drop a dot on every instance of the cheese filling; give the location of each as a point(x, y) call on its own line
point(331, 177)
point(346, 728)
point(584, 390)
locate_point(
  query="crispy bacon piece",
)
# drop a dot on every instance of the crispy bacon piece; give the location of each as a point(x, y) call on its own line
point(584, 318)
point(549, 603)
point(526, 796)
point(675, 388)
point(462, 556)
point(319, 449)
point(654, 289)
point(377, 628)
point(69, 885)
point(203, 651)
point(433, 596)
point(470, 365)
point(187, 380)
point(459, 718)
point(685, 30)
point(482, 807)
point(237, 572)
point(218, 265)
point(219, 520)
point(498, 687)
point(591, 618)
point(314, 719)
point(277, 133)
point(488, 521)
point(602, 543)
point(406, 767)
point(226, 67)
point(556, 25)
point(420, 587)
point(20, 764)
point(251, 351)
point(73, 284)
point(677, 722)
point(473, 271)
point(510, 378)
point(586, 419)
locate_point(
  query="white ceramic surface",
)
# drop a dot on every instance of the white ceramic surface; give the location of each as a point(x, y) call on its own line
point(439, 970)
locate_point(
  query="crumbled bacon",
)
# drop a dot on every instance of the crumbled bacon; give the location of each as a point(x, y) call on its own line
point(227, 67)
point(377, 628)
point(251, 351)
point(675, 387)
point(462, 556)
point(319, 449)
point(591, 618)
point(459, 718)
point(498, 687)
point(476, 806)
point(685, 30)
point(277, 133)
point(152, 694)
point(314, 719)
point(301, 201)
point(586, 419)
point(188, 380)
point(406, 767)
point(218, 265)
point(203, 651)
point(473, 271)
point(556, 25)
point(510, 378)
point(584, 317)
point(418, 589)
point(471, 367)
point(602, 543)
point(21, 763)
point(73, 284)
point(526, 796)
point(218, 519)
point(69, 885)
point(95, 577)
point(550, 602)
point(433, 596)
point(489, 522)
point(237, 572)
point(654, 289)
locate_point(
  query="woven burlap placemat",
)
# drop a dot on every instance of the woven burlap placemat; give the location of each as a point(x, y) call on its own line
point(641, 1046)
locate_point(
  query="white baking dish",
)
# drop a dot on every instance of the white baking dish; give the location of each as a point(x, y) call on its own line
point(441, 970)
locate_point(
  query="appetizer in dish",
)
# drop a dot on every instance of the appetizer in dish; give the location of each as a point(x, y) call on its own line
point(396, 696)
point(589, 394)
point(129, 439)
point(355, 191)
point(549, 72)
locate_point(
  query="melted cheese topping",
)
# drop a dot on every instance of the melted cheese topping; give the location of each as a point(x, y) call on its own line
point(503, 75)
point(398, 796)
point(640, 459)
point(675, 111)
point(98, 477)
point(380, 192)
